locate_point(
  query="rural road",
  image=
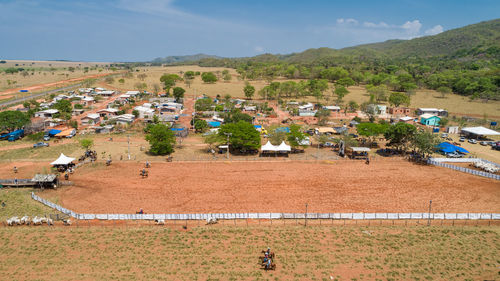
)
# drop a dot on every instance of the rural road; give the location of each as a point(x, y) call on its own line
point(16, 101)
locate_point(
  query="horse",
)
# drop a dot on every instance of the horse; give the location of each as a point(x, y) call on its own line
point(271, 254)
point(143, 173)
point(108, 162)
point(269, 267)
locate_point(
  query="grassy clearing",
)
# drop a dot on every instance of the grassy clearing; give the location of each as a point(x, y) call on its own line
point(51, 152)
point(18, 202)
point(230, 253)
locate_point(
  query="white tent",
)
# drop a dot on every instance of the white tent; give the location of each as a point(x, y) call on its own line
point(480, 131)
point(284, 147)
point(269, 147)
point(63, 160)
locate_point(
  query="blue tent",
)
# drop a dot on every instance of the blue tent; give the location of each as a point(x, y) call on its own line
point(214, 124)
point(447, 147)
point(54, 132)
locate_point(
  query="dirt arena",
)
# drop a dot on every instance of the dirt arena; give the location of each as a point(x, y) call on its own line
point(338, 186)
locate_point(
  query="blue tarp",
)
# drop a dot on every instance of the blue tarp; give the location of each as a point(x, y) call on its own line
point(283, 129)
point(257, 126)
point(447, 147)
point(177, 129)
point(214, 124)
point(54, 132)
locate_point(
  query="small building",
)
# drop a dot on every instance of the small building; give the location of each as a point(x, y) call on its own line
point(103, 129)
point(332, 108)
point(48, 113)
point(307, 113)
point(108, 112)
point(306, 107)
point(91, 119)
point(432, 111)
point(325, 130)
point(144, 112)
point(400, 111)
point(133, 94)
point(77, 112)
point(45, 181)
point(108, 93)
point(406, 119)
point(429, 120)
point(250, 108)
point(358, 152)
point(452, 130)
point(87, 101)
point(124, 119)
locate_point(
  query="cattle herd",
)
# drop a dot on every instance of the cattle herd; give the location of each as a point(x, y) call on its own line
point(33, 221)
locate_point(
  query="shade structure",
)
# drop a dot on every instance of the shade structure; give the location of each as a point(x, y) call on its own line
point(284, 147)
point(63, 160)
point(480, 131)
point(269, 147)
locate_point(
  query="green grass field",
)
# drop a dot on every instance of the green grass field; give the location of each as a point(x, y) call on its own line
point(230, 253)
point(18, 203)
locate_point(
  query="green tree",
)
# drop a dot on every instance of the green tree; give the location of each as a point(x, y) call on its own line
point(379, 92)
point(249, 90)
point(64, 106)
point(213, 139)
point(244, 136)
point(396, 99)
point(424, 142)
point(353, 106)
point(400, 135)
point(322, 115)
point(86, 143)
point(295, 137)
point(178, 93)
point(200, 125)
point(371, 130)
point(443, 90)
point(161, 140)
point(208, 77)
point(340, 92)
point(346, 82)
point(443, 122)
point(226, 75)
point(235, 116)
point(11, 120)
point(169, 81)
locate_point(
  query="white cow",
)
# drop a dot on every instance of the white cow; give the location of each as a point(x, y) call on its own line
point(37, 221)
point(13, 221)
point(67, 222)
point(160, 222)
point(211, 220)
point(26, 220)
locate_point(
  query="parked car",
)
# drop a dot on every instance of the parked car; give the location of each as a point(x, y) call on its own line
point(473, 141)
point(40, 144)
point(462, 139)
point(455, 155)
point(485, 143)
point(444, 135)
point(46, 138)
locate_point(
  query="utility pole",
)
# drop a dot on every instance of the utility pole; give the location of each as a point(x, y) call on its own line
point(305, 215)
point(429, 218)
point(227, 151)
point(128, 141)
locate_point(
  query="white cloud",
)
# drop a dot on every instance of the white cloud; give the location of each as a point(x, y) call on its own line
point(435, 30)
point(347, 21)
point(412, 28)
point(379, 25)
point(259, 49)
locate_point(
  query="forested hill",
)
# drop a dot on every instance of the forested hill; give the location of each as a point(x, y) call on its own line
point(467, 40)
point(180, 59)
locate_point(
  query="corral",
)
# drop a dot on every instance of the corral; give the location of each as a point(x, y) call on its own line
point(329, 186)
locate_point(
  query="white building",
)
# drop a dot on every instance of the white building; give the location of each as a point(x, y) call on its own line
point(48, 113)
point(144, 112)
point(91, 119)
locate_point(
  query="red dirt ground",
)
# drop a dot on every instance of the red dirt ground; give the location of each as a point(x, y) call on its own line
point(339, 186)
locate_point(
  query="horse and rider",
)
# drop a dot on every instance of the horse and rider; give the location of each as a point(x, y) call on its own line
point(267, 260)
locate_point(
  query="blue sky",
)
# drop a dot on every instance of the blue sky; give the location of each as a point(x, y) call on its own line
point(140, 30)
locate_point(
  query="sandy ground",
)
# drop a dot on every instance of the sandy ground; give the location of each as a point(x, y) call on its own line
point(339, 186)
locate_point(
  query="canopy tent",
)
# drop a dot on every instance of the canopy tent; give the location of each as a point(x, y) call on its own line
point(447, 147)
point(269, 147)
point(214, 124)
point(284, 147)
point(63, 160)
point(360, 149)
point(480, 131)
point(54, 132)
point(66, 133)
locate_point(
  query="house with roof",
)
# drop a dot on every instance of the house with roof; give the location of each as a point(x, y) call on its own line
point(429, 120)
point(48, 113)
point(432, 111)
point(87, 101)
point(144, 112)
point(406, 119)
point(400, 111)
point(124, 119)
point(107, 93)
point(108, 112)
point(91, 119)
point(77, 112)
point(332, 108)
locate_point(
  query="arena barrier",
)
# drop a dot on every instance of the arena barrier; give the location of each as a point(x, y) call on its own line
point(441, 163)
point(271, 216)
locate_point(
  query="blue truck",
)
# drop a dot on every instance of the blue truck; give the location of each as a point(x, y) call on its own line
point(13, 136)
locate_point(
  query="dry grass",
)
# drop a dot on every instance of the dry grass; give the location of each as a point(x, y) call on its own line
point(18, 203)
point(423, 98)
point(230, 253)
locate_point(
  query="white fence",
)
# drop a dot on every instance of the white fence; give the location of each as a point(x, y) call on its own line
point(232, 216)
point(441, 163)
